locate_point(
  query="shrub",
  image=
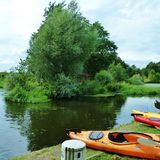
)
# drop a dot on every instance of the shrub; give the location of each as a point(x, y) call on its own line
point(136, 79)
point(103, 77)
point(118, 72)
point(17, 94)
point(154, 77)
point(24, 88)
point(13, 79)
point(2, 78)
point(37, 95)
point(114, 87)
point(64, 87)
point(21, 95)
point(91, 87)
point(1, 83)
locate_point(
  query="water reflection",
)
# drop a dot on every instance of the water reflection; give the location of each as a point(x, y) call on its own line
point(32, 127)
point(44, 124)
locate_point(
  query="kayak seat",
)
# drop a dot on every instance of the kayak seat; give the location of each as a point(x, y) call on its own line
point(118, 138)
point(96, 135)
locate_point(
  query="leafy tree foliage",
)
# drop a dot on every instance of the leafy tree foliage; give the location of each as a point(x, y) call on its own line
point(62, 43)
point(64, 87)
point(136, 79)
point(153, 76)
point(99, 61)
point(104, 77)
point(68, 46)
point(104, 43)
point(154, 66)
point(118, 72)
point(133, 70)
point(152, 71)
point(3, 75)
point(105, 52)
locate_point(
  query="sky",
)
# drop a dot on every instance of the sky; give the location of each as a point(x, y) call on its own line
point(134, 25)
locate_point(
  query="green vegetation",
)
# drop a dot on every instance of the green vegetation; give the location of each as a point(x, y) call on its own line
point(1, 83)
point(152, 72)
point(125, 89)
point(118, 72)
point(138, 90)
point(64, 87)
point(53, 153)
point(103, 77)
point(68, 56)
point(2, 78)
point(22, 88)
point(136, 79)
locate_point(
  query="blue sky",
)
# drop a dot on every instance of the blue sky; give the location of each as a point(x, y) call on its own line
point(134, 25)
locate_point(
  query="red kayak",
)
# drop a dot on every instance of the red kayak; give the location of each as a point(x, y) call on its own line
point(150, 121)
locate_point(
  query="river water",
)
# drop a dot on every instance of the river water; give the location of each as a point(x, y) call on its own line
point(25, 128)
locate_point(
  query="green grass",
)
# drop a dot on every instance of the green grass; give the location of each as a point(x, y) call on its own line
point(126, 89)
point(53, 153)
point(139, 90)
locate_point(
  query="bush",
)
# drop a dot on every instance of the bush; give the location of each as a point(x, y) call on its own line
point(136, 79)
point(103, 77)
point(154, 77)
point(37, 95)
point(91, 87)
point(24, 88)
point(114, 87)
point(21, 95)
point(1, 83)
point(2, 78)
point(13, 79)
point(17, 94)
point(118, 72)
point(64, 87)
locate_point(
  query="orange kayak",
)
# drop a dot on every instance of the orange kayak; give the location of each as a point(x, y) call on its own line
point(143, 145)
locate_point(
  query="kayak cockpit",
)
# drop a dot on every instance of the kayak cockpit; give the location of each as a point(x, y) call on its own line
point(126, 137)
point(117, 137)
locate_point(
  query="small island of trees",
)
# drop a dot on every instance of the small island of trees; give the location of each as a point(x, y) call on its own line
point(68, 56)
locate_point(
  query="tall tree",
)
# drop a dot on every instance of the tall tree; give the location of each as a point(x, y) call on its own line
point(62, 43)
point(105, 52)
point(104, 42)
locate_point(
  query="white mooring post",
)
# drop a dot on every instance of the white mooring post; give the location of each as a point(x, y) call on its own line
point(73, 150)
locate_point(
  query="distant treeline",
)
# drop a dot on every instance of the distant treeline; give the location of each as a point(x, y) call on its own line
point(69, 56)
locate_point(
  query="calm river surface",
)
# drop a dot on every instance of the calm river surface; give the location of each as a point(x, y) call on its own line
point(25, 128)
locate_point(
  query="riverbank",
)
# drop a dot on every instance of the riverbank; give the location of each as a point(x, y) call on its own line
point(53, 153)
point(41, 95)
point(126, 89)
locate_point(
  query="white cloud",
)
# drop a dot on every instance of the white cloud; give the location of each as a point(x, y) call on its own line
point(18, 19)
point(132, 24)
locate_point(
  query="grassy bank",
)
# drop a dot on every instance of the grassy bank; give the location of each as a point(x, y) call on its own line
point(39, 94)
point(21, 95)
point(126, 89)
point(53, 153)
point(139, 90)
